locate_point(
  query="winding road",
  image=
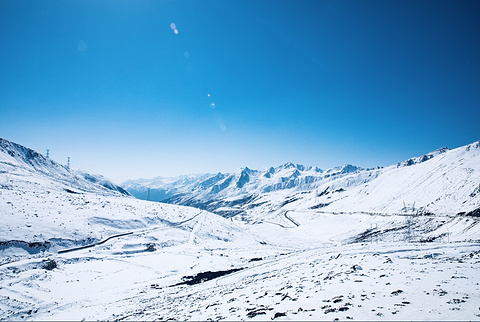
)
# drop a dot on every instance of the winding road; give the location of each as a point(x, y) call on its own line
point(63, 251)
point(290, 218)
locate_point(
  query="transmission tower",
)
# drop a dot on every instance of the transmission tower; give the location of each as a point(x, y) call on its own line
point(48, 153)
point(68, 163)
point(410, 213)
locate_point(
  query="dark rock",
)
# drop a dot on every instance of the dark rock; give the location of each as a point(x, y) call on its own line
point(151, 248)
point(205, 276)
point(330, 310)
point(49, 264)
point(278, 315)
point(255, 259)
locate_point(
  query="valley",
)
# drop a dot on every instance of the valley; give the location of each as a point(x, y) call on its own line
point(394, 243)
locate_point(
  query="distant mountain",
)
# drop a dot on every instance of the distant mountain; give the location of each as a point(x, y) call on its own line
point(25, 165)
point(443, 181)
point(102, 181)
point(161, 188)
point(244, 180)
point(222, 191)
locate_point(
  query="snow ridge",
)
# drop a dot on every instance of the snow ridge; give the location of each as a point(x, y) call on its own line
point(26, 164)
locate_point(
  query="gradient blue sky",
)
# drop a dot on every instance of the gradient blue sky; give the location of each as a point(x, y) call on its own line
point(242, 83)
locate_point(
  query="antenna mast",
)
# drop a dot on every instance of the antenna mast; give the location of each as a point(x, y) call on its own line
point(68, 163)
point(48, 153)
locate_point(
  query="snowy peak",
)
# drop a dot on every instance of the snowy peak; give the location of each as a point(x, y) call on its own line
point(348, 168)
point(423, 158)
point(287, 172)
point(244, 177)
point(211, 181)
point(290, 165)
point(269, 172)
point(473, 146)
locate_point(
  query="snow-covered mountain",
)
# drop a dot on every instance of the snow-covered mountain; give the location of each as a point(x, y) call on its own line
point(223, 193)
point(24, 164)
point(245, 180)
point(305, 244)
point(443, 181)
point(45, 203)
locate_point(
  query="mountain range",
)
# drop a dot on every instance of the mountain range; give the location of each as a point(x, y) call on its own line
point(443, 181)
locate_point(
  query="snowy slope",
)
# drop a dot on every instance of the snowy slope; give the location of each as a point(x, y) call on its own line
point(446, 183)
point(45, 206)
point(71, 249)
point(49, 214)
point(21, 164)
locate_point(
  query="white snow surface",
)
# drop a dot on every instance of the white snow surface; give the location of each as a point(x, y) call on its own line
point(366, 256)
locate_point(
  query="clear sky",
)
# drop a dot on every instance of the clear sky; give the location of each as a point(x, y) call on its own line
point(133, 89)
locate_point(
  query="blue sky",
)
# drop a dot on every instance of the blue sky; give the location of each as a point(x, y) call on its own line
point(239, 83)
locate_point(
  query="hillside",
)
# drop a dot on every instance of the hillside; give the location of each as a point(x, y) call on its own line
point(20, 165)
point(319, 245)
point(46, 206)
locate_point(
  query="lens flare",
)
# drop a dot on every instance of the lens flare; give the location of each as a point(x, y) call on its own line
point(173, 26)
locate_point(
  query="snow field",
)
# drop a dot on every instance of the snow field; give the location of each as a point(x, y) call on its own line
point(71, 249)
point(297, 275)
point(356, 281)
